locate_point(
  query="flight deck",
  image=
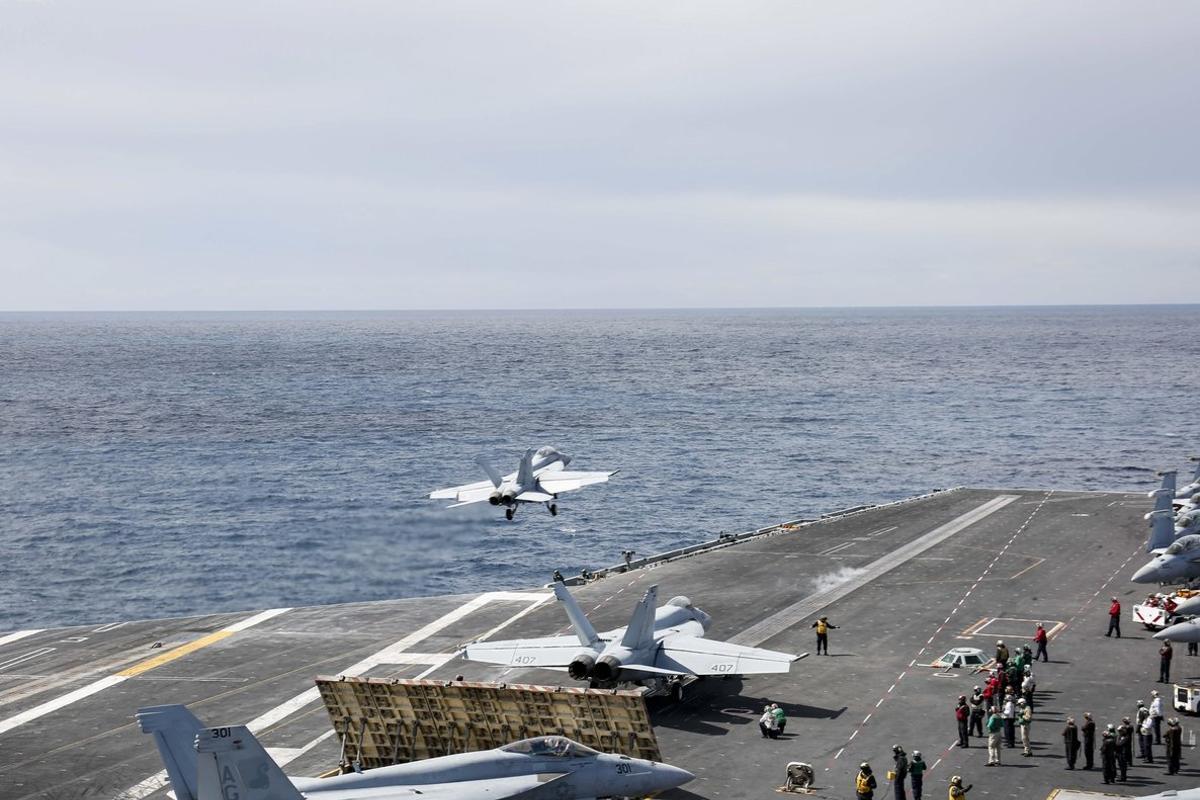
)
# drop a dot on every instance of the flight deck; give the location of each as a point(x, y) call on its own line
point(903, 583)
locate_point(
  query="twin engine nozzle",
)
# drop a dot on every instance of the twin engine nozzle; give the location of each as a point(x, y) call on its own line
point(585, 666)
point(502, 498)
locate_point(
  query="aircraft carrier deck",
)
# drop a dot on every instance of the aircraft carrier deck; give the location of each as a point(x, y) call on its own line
point(904, 582)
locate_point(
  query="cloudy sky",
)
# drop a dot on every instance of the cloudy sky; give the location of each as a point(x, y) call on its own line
point(393, 154)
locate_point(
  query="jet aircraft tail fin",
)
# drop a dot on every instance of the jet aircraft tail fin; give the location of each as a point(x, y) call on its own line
point(493, 474)
point(1162, 530)
point(174, 728)
point(525, 471)
point(640, 631)
point(231, 763)
point(579, 621)
point(1164, 494)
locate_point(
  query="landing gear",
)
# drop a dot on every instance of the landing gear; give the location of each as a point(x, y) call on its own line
point(677, 691)
point(508, 513)
point(553, 509)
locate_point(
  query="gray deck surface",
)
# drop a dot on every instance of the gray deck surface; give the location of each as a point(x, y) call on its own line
point(903, 582)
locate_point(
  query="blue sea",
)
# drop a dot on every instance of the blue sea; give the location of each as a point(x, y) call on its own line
point(171, 464)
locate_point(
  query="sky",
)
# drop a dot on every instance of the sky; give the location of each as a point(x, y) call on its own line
point(427, 155)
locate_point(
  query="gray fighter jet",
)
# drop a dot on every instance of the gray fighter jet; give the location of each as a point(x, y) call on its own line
point(658, 647)
point(540, 478)
point(225, 763)
point(1180, 561)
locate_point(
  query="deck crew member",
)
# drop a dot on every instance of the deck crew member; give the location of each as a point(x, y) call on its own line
point(1125, 732)
point(917, 770)
point(1174, 740)
point(1164, 661)
point(1108, 756)
point(1089, 739)
point(1146, 741)
point(1001, 655)
point(1089, 732)
point(963, 715)
point(823, 627)
point(1009, 714)
point(1139, 719)
point(780, 717)
point(768, 725)
point(901, 768)
point(1024, 719)
point(1156, 715)
point(976, 702)
point(864, 782)
point(1070, 736)
point(1114, 618)
point(957, 790)
point(1040, 638)
point(994, 725)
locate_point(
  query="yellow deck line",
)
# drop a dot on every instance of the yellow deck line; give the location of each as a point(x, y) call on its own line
point(178, 652)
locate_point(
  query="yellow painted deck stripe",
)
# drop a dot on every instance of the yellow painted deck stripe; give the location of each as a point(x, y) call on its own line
point(178, 652)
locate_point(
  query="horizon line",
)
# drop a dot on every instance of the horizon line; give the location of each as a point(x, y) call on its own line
point(493, 309)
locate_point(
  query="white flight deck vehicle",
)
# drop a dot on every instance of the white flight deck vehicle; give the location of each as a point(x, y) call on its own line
point(658, 648)
point(228, 763)
point(541, 477)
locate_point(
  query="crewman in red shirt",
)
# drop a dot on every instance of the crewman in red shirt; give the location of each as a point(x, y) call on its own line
point(1114, 618)
point(1040, 638)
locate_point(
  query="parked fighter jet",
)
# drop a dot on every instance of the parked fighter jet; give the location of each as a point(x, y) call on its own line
point(657, 647)
point(228, 762)
point(1186, 631)
point(540, 478)
point(1179, 562)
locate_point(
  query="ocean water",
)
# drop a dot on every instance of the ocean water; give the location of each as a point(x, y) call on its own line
point(157, 465)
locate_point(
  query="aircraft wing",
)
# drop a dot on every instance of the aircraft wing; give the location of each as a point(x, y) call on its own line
point(551, 651)
point(708, 657)
point(467, 488)
point(524, 787)
point(453, 492)
point(567, 481)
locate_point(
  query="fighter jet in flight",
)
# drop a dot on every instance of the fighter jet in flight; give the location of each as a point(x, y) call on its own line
point(658, 647)
point(540, 478)
point(228, 762)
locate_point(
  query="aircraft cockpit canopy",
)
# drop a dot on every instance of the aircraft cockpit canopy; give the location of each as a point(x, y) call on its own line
point(1182, 545)
point(680, 601)
point(550, 747)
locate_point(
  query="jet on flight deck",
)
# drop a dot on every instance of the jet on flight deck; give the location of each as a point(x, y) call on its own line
point(228, 762)
point(658, 647)
point(541, 477)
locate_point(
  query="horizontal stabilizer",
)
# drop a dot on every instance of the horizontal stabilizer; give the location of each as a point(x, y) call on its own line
point(656, 670)
point(551, 651)
point(535, 497)
point(564, 481)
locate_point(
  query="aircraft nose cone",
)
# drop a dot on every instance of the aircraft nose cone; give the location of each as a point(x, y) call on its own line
point(667, 777)
point(1180, 632)
point(1147, 574)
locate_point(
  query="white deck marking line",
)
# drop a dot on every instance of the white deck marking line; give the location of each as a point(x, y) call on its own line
point(92, 688)
point(878, 704)
point(17, 636)
point(284, 710)
point(864, 722)
point(839, 753)
point(836, 548)
point(21, 659)
point(852, 736)
point(112, 626)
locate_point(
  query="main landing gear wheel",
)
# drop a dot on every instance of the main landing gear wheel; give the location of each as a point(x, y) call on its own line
point(554, 509)
point(508, 513)
point(677, 692)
